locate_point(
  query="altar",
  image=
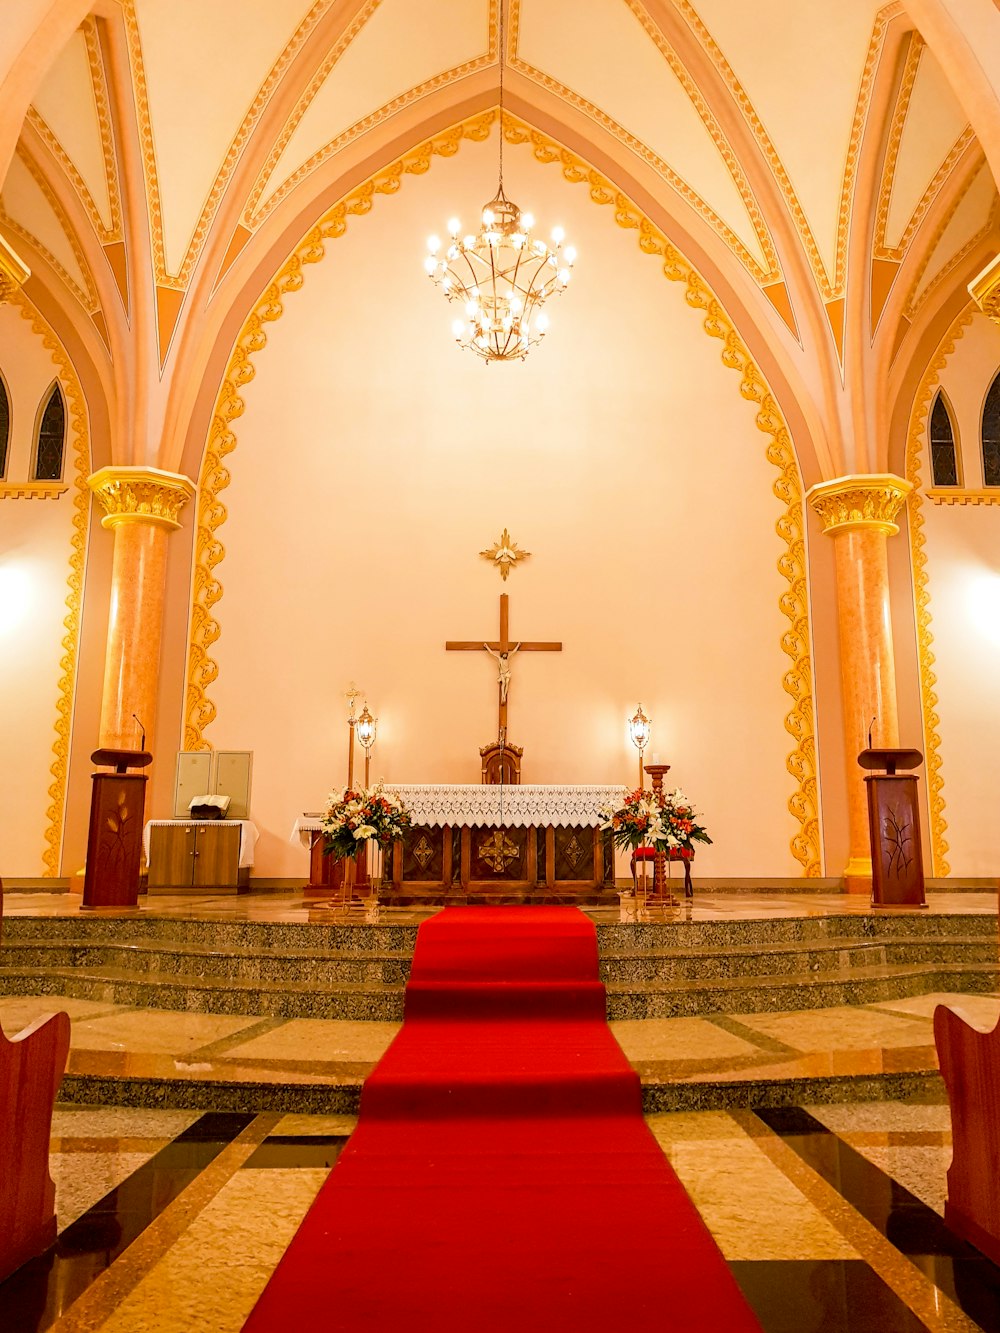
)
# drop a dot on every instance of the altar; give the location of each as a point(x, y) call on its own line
point(499, 844)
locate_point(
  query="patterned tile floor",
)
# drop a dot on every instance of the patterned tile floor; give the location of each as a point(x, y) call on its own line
point(114, 1041)
point(829, 1216)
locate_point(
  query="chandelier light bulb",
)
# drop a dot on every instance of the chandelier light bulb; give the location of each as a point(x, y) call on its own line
point(430, 264)
point(454, 226)
point(527, 221)
point(433, 244)
point(458, 329)
point(569, 254)
point(558, 235)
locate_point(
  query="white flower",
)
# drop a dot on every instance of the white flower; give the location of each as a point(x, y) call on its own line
point(365, 831)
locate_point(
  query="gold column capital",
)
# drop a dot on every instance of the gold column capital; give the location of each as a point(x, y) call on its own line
point(140, 495)
point(14, 272)
point(864, 500)
point(985, 290)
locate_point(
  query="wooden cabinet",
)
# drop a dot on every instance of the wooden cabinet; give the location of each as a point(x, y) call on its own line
point(187, 857)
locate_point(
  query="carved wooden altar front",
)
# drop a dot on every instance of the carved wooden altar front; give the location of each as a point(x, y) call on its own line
point(527, 843)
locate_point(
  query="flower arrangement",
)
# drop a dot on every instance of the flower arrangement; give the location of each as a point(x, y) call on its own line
point(666, 823)
point(352, 819)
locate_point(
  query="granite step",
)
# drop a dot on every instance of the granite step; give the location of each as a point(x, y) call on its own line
point(358, 1001)
point(834, 955)
point(796, 991)
point(318, 967)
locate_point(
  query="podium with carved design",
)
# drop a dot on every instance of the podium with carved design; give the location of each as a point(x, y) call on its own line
point(114, 839)
point(894, 828)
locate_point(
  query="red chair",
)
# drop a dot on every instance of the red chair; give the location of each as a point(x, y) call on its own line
point(675, 854)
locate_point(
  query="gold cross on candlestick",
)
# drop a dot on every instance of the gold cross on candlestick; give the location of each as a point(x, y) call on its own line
point(502, 649)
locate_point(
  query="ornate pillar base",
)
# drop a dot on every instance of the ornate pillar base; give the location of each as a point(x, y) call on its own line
point(858, 875)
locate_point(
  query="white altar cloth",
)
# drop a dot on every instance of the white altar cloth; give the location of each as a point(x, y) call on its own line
point(482, 805)
point(248, 835)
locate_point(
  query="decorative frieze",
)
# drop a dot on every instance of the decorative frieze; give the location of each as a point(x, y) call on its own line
point(140, 495)
point(860, 501)
point(32, 490)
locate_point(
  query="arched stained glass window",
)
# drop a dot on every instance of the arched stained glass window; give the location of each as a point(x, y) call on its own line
point(4, 427)
point(944, 463)
point(991, 435)
point(51, 439)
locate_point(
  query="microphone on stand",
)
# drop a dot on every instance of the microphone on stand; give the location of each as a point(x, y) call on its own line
point(870, 725)
point(142, 742)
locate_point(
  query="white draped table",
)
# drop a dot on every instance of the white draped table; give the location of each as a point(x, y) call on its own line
point(495, 842)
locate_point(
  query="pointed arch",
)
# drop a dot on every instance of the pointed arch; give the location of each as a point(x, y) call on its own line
point(4, 425)
point(942, 443)
point(50, 436)
point(989, 434)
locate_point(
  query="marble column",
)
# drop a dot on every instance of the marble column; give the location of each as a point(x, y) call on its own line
point(142, 507)
point(858, 512)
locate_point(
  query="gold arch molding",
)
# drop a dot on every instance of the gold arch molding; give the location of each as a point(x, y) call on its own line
point(56, 813)
point(922, 597)
point(206, 589)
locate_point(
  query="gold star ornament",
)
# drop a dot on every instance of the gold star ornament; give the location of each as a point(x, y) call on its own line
point(504, 554)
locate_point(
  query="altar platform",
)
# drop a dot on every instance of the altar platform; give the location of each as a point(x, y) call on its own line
point(271, 1002)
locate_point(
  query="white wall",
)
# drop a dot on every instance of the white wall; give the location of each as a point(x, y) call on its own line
point(35, 537)
point(963, 568)
point(375, 460)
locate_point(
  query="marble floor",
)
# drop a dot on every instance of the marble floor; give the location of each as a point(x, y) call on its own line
point(830, 1217)
point(114, 1042)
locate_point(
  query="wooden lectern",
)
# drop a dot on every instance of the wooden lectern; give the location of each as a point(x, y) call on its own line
point(894, 828)
point(114, 841)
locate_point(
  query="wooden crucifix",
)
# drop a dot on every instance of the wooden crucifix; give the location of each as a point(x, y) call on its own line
point(503, 650)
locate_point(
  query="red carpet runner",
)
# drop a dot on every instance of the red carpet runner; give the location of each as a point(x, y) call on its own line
point(501, 1176)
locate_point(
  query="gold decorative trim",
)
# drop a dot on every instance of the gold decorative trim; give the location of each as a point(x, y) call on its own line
point(881, 249)
point(147, 150)
point(32, 490)
point(86, 296)
point(59, 769)
point(107, 233)
point(922, 597)
point(140, 495)
point(255, 213)
point(918, 296)
point(830, 290)
point(871, 500)
point(762, 275)
point(984, 289)
point(14, 272)
point(794, 601)
point(239, 143)
point(955, 495)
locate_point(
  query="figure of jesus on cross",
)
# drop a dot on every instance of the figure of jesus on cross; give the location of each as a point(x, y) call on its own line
point(503, 650)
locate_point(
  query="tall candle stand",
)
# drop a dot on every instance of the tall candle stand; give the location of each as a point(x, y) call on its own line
point(662, 894)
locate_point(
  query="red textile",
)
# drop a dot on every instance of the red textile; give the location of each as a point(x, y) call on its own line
point(501, 1176)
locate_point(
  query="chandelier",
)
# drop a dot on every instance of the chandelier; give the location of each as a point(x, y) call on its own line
point(502, 276)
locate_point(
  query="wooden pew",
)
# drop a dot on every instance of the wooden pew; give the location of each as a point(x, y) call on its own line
point(31, 1069)
point(970, 1067)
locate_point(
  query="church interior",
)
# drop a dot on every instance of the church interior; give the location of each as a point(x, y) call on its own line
point(721, 536)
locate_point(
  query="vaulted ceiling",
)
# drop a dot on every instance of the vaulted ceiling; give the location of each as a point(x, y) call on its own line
point(814, 161)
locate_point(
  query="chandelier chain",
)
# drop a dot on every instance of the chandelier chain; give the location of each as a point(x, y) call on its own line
point(501, 275)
